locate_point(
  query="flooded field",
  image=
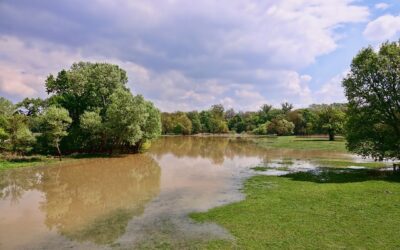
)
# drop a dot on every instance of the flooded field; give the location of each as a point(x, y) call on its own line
point(137, 200)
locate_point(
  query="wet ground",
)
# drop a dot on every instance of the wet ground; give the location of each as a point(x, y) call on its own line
point(136, 200)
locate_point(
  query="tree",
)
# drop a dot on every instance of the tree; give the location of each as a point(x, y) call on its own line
point(264, 112)
point(280, 126)
point(55, 122)
point(20, 138)
point(331, 121)
point(237, 124)
point(262, 129)
point(92, 124)
point(125, 116)
point(372, 88)
point(229, 114)
point(84, 87)
point(182, 124)
point(286, 107)
point(196, 123)
point(152, 125)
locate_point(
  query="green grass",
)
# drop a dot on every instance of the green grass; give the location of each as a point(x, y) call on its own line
point(355, 209)
point(342, 164)
point(24, 162)
point(260, 168)
point(303, 143)
point(32, 161)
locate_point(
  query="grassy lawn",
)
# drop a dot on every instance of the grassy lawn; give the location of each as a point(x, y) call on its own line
point(356, 209)
point(303, 143)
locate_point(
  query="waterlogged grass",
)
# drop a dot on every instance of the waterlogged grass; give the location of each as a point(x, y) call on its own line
point(356, 209)
point(260, 168)
point(33, 161)
point(303, 143)
point(342, 164)
point(10, 163)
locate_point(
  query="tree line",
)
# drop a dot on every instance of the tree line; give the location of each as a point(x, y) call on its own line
point(370, 121)
point(316, 119)
point(89, 110)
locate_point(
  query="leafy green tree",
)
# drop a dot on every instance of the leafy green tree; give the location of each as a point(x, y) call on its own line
point(3, 139)
point(196, 123)
point(166, 122)
point(125, 116)
point(372, 88)
point(331, 121)
point(262, 129)
point(280, 126)
point(183, 125)
point(264, 112)
point(152, 125)
point(92, 125)
point(218, 111)
point(55, 122)
point(20, 138)
point(237, 124)
point(86, 85)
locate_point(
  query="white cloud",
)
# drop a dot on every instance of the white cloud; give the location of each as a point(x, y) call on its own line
point(383, 28)
point(180, 54)
point(381, 6)
point(332, 90)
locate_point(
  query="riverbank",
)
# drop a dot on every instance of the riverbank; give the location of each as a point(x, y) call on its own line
point(330, 209)
point(12, 162)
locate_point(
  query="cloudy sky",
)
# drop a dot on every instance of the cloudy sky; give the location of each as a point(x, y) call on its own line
point(187, 55)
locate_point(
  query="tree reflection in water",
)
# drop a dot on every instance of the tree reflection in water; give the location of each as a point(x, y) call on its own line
point(89, 200)
point(217, 149)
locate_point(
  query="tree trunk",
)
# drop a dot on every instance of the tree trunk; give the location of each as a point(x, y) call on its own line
point(59, 151)
point(331, 136)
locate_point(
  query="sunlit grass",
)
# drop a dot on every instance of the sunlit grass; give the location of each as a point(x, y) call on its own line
point(342, 163)
point(357, 209)
point(303, 143)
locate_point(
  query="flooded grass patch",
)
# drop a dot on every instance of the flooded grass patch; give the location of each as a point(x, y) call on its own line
point(260, 168)
point(19, 162)
point(341, 163)
point(315, 209)
point(303, 143)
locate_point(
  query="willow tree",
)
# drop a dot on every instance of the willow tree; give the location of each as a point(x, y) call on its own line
point(373, 90)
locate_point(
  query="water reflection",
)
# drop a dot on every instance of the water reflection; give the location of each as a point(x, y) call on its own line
point(88, 200)
point(220, 148)
point(138, 200)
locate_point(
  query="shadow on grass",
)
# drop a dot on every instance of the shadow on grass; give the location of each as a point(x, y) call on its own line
point(328, 175)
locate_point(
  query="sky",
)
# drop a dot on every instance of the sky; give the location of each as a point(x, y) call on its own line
point(186, 55)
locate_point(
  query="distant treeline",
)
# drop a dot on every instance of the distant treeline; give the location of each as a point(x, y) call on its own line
point(90, 110)
point(316, 119)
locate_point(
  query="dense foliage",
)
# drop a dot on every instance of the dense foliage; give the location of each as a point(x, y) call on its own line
point(90, 109)
point(317, 119)
point(373, 90)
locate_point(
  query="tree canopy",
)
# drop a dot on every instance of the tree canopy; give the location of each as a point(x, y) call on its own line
point(90, 109)
point(372, 88)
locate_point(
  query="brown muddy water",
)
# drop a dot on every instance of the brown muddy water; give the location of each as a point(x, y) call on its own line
point(136, 200)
